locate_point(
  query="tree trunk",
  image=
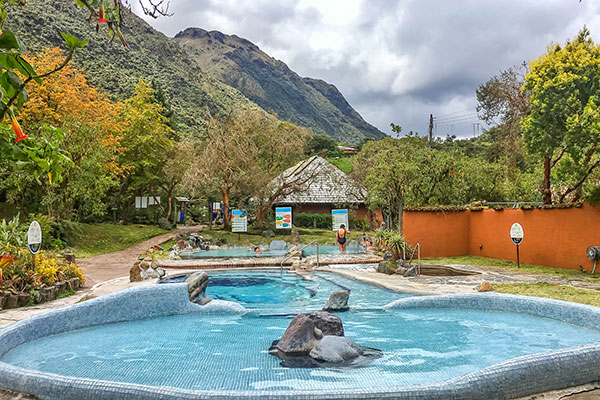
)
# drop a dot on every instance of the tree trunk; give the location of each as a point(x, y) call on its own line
point(260, 213)
point(226, 217)
point(546, 192)
point(400, 212)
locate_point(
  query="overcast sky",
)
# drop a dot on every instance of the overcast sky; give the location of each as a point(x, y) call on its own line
point(396, 60)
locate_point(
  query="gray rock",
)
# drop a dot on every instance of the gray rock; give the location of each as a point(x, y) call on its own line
point(335, 349)
point(299, 337)
point(268, 233)
point(295, 237)
point(338, 301)
point(328, 324)
point(164, 223)
point(411, 272)
point(197, 283)
point(278, 245)
point(11, 301)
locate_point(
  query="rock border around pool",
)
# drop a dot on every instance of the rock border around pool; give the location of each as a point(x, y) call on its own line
point(512, 378)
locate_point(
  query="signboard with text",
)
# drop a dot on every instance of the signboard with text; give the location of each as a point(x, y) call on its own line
point(239, 221)
point(34, 237)
point(283, 217)
point(339, 217)
point(516, 233)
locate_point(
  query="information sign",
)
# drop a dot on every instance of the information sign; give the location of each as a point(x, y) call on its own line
point(339, 217)
point(283, 217)
point(516, 233)
point(239, 221)
point(34, 237)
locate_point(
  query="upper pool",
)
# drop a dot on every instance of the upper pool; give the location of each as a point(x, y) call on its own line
point(226, 354)
point(244, 252)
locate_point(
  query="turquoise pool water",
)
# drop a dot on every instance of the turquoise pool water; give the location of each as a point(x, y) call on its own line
point(246, 252)
point(229, 352)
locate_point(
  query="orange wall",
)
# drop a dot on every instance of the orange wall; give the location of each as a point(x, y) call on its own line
point(440, 234)
point(552, 237)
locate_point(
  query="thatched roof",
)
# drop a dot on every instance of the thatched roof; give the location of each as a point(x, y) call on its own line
point(322, 182)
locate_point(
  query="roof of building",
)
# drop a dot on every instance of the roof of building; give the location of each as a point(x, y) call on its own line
point(321, 182)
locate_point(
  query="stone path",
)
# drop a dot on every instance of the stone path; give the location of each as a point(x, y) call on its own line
point(108, 266)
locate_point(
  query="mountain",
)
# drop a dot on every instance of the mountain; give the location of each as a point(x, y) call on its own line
point(272, 85)
point(150, 55)
point(201, 73)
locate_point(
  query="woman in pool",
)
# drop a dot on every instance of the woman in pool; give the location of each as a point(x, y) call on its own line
point(340, 238)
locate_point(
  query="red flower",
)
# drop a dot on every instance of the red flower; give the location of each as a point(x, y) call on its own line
point(102, 20)
point(17, 128)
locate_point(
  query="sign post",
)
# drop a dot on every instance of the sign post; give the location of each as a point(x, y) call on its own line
point(34, 239)
point(339, 217)
point(283, 217)
point(239, 222)
point(516, 235)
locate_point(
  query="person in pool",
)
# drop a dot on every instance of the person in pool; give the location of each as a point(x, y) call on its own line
point(341, 239)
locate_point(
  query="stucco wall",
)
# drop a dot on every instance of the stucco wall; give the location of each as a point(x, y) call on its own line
point(552, 237)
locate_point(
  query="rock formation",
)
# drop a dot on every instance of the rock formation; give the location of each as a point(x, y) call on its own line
point(338, 301)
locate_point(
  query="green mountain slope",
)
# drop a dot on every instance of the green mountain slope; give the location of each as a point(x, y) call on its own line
point(116, 69)
point(274, 86)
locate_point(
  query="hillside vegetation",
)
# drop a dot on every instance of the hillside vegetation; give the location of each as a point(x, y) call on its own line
point(271, 84)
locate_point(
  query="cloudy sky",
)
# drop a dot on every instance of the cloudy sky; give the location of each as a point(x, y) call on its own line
point(396, 60)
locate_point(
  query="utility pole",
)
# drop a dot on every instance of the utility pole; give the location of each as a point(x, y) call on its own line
point(430, 130)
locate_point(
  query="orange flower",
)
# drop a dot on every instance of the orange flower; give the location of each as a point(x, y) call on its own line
point(102, 20)
point(17, 128)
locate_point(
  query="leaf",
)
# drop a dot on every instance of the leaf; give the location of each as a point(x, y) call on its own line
point(8, 41)
point(73, 42)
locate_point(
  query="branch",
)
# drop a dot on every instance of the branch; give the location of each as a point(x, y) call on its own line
point(557, 159)
point(156, 9)
point(580, 182)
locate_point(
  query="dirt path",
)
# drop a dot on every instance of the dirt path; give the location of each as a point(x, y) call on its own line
point(113, 265)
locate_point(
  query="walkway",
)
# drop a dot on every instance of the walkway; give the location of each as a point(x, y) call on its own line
point(112, 265)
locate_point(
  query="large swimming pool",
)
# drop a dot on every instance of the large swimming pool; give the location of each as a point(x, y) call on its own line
point(228, 352)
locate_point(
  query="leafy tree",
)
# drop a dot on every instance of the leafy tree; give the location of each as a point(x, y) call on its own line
point(502, 103)
point(399, 172)
point(243, 151)
point(146, 142)
point(322, 145)
point(563, 126)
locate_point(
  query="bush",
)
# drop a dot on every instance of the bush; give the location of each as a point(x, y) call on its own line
point(390, 240)
point(13, 233)
point(362, 224)
point(66, 231)
point(306, 220)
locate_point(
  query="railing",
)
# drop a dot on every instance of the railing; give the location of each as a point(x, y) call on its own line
point(300, 252)
point(412, 256)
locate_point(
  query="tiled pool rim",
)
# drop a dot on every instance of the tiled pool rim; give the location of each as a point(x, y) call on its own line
point(512, 378)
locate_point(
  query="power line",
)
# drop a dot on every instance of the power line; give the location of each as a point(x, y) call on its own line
point(455, 112)
point(457, 117)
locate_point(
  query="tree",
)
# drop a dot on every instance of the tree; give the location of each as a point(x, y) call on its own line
point(322, 145)
point(502, 104)
point(399, 172)
point(243, 151)
point(563, 125)
point(147, 143)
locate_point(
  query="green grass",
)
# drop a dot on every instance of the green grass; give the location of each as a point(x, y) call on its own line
point(96, 239)
point(253, 237)
point(511, 265)
point(67, 293)
point(343, 163)
point(548, 290)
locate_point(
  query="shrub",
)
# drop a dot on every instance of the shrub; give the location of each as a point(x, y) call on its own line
point(307, 220)
point(66, 231)
point(390, 240)
point(362, 224)
point(12, 232)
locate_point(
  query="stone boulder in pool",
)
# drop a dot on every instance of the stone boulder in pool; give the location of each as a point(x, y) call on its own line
point(197, 288)
point(338, 301)
point(317, 340)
